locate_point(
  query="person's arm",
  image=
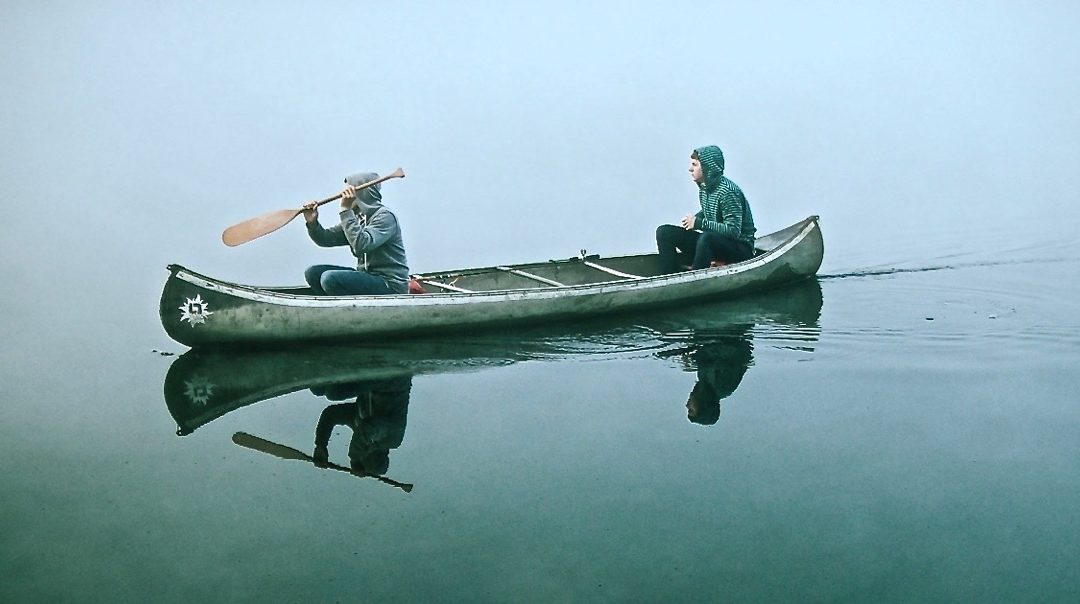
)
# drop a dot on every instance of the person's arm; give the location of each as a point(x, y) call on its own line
point(364, 237)
point(731, 209)
point(334, 415)
point(690, 221)
point(331, 237)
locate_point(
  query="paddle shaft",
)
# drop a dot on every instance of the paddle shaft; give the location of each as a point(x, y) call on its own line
point(268, 223)
point(399, 173)
point(272, 448)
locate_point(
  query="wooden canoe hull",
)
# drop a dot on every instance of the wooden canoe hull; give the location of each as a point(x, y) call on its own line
point(199, 311)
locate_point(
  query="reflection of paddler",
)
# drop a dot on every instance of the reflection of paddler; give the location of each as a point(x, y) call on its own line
point(377, 419)
point(721, 364)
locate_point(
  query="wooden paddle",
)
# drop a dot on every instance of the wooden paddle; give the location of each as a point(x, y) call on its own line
point(265, 446)
point(268, 223)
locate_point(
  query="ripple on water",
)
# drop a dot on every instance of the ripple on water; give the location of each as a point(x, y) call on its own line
point(1019, 303)
point(1006, 305)
point(946, 248)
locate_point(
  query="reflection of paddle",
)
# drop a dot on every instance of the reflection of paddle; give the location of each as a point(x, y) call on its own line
point(268, 223)
point(259, 444)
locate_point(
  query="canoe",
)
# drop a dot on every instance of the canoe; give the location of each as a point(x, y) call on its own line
point(197, 310)
point(206, 383)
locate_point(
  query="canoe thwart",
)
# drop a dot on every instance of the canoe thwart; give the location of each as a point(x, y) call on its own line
point(528, 275)
point(610, 271)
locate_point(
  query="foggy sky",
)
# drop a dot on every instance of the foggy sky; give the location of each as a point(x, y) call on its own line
point(135, 132)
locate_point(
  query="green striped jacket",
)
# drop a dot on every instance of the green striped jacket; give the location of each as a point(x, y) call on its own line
point(724, 209)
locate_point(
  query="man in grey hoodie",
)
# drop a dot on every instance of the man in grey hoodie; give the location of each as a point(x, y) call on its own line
point(372, 233)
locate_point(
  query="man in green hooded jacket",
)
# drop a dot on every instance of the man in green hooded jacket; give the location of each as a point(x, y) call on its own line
point(722, 231)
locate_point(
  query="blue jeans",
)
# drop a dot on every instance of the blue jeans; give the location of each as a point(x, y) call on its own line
point(330, 280)
point(697, 249)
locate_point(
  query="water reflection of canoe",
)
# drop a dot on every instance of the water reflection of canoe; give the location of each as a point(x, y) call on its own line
point(198, 310)
point(204, 384)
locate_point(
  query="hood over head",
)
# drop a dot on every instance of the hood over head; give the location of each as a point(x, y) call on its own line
point(712, 164)
point(703, 406)
point(367, 199)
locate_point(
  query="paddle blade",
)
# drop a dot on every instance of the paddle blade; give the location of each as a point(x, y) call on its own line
point(254, 442)
point(257, 227)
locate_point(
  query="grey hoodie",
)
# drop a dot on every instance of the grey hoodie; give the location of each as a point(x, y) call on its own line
point(372, 233)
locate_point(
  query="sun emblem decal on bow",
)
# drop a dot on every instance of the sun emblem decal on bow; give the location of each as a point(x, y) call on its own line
point(194, 311)
point(198, 390)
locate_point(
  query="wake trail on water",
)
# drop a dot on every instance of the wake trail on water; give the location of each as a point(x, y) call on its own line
point(1045, 251)
point(878, 272)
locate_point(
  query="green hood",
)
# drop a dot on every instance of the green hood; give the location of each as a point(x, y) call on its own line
point(712, 165)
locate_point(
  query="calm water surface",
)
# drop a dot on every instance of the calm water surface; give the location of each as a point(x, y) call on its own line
point(890, 431)
point(904, 428)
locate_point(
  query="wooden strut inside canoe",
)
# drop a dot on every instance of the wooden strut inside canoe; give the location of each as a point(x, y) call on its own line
point(610, 271)
point(538, 278)
point(452, 287)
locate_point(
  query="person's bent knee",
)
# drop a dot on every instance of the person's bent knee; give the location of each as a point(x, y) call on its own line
point(331, 284)
point(667, 232)
point(312, 275)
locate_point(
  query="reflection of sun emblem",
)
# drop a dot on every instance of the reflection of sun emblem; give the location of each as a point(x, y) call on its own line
point(194, 311)
point(198, 390)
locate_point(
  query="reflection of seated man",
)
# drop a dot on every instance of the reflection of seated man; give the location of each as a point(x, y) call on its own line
point(377, 420)
point(721, 365)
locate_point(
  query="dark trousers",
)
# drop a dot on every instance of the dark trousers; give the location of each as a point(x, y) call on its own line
point(678, 246)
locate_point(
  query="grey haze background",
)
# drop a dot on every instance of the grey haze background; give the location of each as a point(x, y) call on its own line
point(135, 132)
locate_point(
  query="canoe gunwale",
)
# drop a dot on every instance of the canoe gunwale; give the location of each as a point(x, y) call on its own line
point(217, 313)
point(268, 296)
